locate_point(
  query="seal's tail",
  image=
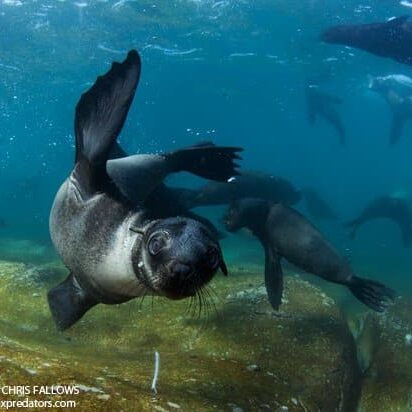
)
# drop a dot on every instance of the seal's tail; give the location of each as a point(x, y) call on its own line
point(373, 294)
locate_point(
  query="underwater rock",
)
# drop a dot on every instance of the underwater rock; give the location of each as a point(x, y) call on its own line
point(235, 354)
point(387, 383)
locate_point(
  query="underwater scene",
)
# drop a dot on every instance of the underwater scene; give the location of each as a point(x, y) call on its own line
point(206, 205)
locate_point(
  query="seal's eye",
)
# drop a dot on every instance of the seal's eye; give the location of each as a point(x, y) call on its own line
point(157, 243)
point(213, 258)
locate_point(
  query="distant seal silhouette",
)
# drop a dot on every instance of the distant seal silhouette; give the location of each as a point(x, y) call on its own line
point(386, 207)
point(396, 89)
point(247, 184)
point(392, 38)
point(285, 233)
point(321, 104)
point(113, 251)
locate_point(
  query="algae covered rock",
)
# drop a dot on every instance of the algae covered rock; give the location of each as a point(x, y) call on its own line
point(230, 355)
point(387, 382)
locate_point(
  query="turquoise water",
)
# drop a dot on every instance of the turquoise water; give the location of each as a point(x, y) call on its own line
point(229, 71)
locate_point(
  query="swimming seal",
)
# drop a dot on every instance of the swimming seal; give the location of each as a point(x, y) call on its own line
point(113, 251)
point(322, 104)
point(392, 38)
point(248, 183)
point(285, 233)
point(386, 207)
point(396, 89)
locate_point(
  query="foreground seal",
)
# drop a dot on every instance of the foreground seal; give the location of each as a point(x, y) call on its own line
point(114, 252)
point(284, 233)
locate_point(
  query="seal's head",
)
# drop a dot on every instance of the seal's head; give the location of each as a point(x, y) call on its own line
point(247, 212)
point(178, 257)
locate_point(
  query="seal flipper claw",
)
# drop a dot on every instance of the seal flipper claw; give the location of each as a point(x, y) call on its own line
point(100, 115)
point(206, 160)
point(68, 302)
point(273, 278)
point(373, 294)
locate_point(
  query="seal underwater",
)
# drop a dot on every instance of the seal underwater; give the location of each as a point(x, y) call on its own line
point(321, 104)
point(249, 183)
point(285, 233)
point(114, 252)
point(386, 207)
point(392, 38)
point(396, 89)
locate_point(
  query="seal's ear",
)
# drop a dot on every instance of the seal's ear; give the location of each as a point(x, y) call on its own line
point(223, 266)
point(136, 230)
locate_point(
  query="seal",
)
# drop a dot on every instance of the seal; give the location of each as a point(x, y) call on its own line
point(394, 208)
point(396, 89)
point(322, 104)
point(113, 251)
point(392, 38)
point(248, 183)
point(285, 233)
point(163, 201)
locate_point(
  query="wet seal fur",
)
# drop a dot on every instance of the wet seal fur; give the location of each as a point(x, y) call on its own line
point(285, 233)
point(114, 252)
point(392, 38)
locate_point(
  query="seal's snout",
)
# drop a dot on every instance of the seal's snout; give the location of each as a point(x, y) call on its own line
point(183, 255)
point(180, 270)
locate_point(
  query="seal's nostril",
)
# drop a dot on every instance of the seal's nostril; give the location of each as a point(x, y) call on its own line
point(180, 269)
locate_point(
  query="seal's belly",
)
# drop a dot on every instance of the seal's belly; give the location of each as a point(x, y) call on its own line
point(94, 241)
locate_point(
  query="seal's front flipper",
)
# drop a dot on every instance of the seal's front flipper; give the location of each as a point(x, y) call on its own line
point(273, 278)
point(205, 160)
point(100, 115)
point(138, 176)
point(397, 125)
point(373, 294)
point(68, 302)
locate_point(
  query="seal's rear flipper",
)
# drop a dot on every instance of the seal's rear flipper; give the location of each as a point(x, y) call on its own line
point(373, 294)
point(205, 160)
point(68, 302)
point(273, 278)
point(100, 115)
